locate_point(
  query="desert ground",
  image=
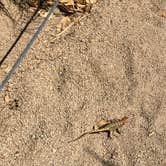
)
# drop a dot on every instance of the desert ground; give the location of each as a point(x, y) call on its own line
point(109, 64)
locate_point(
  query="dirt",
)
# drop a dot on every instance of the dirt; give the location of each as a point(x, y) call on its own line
point(110, 64)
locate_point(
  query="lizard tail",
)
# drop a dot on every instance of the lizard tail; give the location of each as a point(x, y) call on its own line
point(89, 132)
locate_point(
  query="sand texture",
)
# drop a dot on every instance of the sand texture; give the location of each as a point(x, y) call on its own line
point(110, 64)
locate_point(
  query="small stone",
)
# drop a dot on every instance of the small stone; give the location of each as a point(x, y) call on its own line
point(7, 68)
point(163, 13)
point(7, 99)
point(151, 133)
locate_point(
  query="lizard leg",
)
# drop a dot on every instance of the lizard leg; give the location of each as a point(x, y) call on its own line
point(109, 134)
point(118, 131)
point(115, 133)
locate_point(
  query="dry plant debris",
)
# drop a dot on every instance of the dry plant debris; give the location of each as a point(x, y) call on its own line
point(69, 10)
point(67, 6)
point(72, 6)
point(64, 22)
point(4, 69)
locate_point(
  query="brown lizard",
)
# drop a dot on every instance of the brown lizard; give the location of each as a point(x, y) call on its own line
point(107, 126)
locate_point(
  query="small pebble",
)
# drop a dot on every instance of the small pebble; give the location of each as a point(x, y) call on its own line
point(7, 99)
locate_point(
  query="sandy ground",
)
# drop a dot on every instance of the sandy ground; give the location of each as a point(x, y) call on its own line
point(110, 64)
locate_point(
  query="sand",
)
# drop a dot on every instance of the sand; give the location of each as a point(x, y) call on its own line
point(110, 64)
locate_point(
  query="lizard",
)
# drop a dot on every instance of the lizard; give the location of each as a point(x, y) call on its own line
point(107, 126)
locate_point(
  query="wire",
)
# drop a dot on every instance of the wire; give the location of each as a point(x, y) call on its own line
point(19, 36)
point(28, 46)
